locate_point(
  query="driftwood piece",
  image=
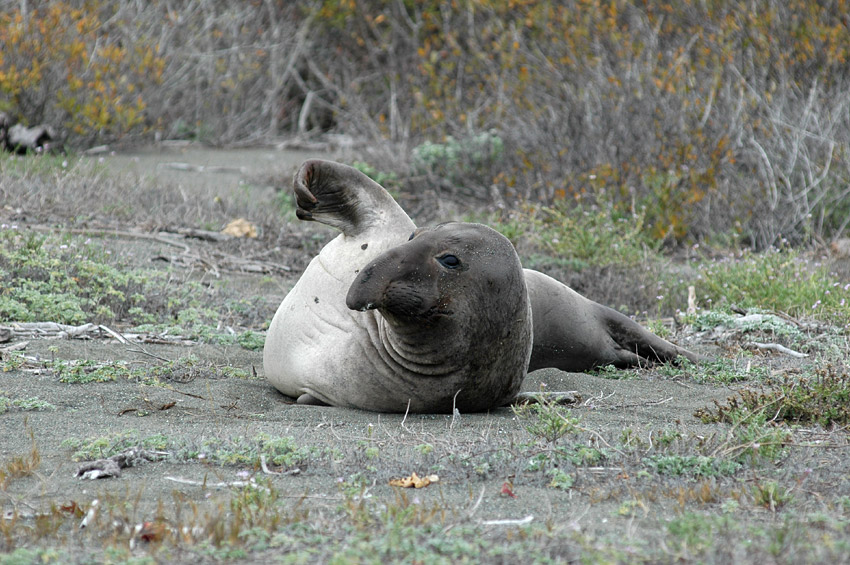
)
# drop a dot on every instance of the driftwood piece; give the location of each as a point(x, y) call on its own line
point(205, 235)
point(23, 139)
point(215, 261)
point(111, 466)
point(18, 138)
point(49, 330)
point(203, 168)
point(776, 347)
point(19, 346)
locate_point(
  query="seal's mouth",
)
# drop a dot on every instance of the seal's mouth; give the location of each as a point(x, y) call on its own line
point(403, 283)
point(396, 300)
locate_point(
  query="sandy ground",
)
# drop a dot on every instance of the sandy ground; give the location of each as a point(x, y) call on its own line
point(471, 481)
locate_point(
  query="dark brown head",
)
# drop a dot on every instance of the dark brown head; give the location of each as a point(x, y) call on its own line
point(455, 299)
point(440, 269)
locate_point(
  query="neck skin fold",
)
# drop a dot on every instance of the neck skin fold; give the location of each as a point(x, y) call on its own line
point(427, 348)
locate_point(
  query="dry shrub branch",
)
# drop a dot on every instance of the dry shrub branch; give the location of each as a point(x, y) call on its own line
point(706, 117)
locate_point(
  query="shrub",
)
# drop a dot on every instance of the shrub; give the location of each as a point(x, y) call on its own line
point(720, 116)
point(62, 64)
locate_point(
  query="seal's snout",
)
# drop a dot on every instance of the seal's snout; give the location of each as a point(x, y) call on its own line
point(364, 292)
point(395, 285)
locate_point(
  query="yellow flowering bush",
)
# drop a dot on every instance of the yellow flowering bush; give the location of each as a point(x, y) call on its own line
point(61, 64)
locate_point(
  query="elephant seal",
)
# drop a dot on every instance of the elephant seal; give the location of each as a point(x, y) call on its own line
point(390, 318)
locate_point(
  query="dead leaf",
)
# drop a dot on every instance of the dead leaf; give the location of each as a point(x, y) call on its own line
point(414, 481)
point(508, 489)
point(152, 531)
point(167, 405)
point(72, 508)
point(240, 227)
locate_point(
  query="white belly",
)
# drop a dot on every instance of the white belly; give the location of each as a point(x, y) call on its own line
point(315, 344)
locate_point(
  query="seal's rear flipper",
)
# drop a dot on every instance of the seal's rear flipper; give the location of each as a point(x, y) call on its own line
point(343, 197)
point(573, 333)
point(638, 343)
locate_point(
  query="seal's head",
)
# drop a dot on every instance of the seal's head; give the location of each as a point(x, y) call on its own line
point(455, 300)
point(439, 270)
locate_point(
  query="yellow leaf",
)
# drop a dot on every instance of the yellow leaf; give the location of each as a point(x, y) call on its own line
point(240, 227)
point(414, 481)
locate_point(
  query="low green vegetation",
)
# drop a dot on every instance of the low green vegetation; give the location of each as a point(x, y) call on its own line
point(720, 371)
point(33, 404)
point(84, 371)
point(71, 280)
point(201, 324)
point(821, 397)
point(785, 280)
point(388, 180)
point(754, 436)
point(547, 420)
point(574, 239)
point(236, 451)
point(181, 370)
point(461, 164)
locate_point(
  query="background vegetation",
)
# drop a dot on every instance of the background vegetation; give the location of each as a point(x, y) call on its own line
point(705, 117)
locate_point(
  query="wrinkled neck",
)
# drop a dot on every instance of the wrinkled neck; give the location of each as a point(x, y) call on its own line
point(433, 348)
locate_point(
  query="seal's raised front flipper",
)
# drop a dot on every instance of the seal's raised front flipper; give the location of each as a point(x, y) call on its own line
point(343, 197)
point(573, 333)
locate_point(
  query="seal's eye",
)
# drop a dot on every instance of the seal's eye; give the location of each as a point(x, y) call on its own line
point(412, 235)
point(449, 261)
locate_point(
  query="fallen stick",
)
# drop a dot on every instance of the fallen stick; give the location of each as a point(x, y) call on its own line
point(520, 522)
point(111, 466)
point(114, 334)
point(50, 329)
point(776, 347)
point(264, 466)
point(647, 403)
point(236, 263)
point(203, 168)
point(14, 347)
point(115, 233)
point(205, 235)
point(205, 484)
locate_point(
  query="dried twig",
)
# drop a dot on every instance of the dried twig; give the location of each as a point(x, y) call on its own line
point(776, 347)
point(114, 334)
point(111, 466)
point(14, 347)
point(520, 522)
point(647, 403)
point(205, 484)
point(264, 466)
